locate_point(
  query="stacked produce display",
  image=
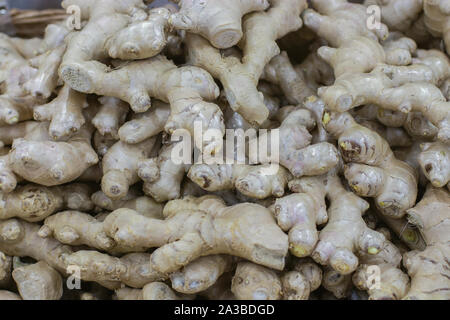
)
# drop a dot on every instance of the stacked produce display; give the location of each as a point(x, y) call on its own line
point(350, 200)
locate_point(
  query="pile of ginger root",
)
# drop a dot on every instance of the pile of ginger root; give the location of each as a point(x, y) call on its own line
point(94, 205)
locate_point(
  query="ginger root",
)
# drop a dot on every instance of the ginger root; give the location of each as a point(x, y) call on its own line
point(398, 15)
point(161, 175)
point(393, 282)
point(110, 116)
point(240, 76)
point(38, 159)
point(435, 163)
point(255, 282)
point(145, 125)
point(211, 149)
point(348, 92)
point(8, 295)
point(5, 270)
point(436, 19)
point(428, 269)
point(200, 274)
point(337, 246)
point(120, 166)
point(38, 281)
point(64, 113)
point(372, 169)
point(252, 181)
point(218, 21)
point(190, 233)
point(299, 213)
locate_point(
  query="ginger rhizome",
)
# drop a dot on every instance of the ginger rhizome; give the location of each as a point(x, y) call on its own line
point(355, 54)
point(64, 113)
point(200, 231)
point(145, 125)
point(142, 38)
point(161, 175)
point(34, 202)
point(437, 19)
point(95, 118)
point(200, 274)
point(296, 153)
point(16, 103)
point(218, 21)
point(428, 269)
point(20, 238)
point(372, 169)
point(110, 116)
point(185, 89)
point(337, 246)
point(240, 76)
point(398, 15)
point(251, 181)
point(120, 166)
point(348, 91)
point(434, 161)
point(393, 282)
point(255, 282)
point(38, 281)
point(76, 228)
point(38, 159)
point(299, 213)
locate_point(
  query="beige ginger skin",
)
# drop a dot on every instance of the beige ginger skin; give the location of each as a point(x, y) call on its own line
point(398, 15)
point(38, 281)
point(78, 228)
point(33, 202)
point(190, 233)
point(297, 152)
point(16, 104)
point(185, 89)
point(356, 52)
point(394, 283)
point(337, 246)
point(434, 161)
point(110, 116)
point(255, 282)
point(353, 48)
point(248, 180)
point(436, 19)
point(218, 21)
point(161, 175)
point(145, 125)
point(348, 92)
point(119, 173)
point(372, 169)
point(38, 159)
point(428, 269)
point(298, 213)
point(200, 274)
point(240, 76)
point(152, 291)
point(64, 113)
point(141, 39)
point(132, 200)
point(95, 119)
